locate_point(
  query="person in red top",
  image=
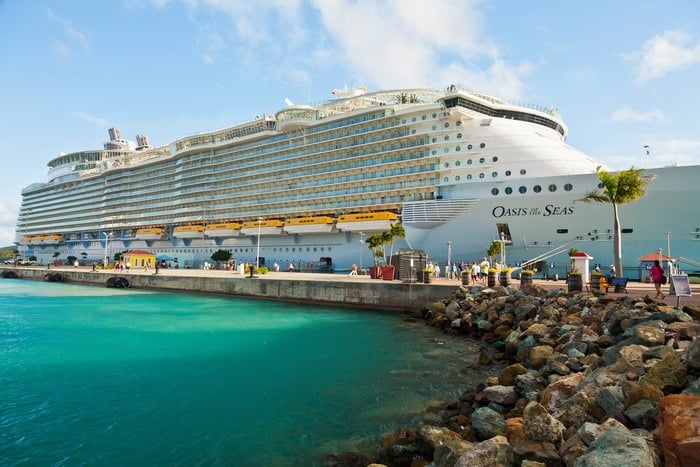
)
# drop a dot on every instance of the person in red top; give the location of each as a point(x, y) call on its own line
point(657, 273)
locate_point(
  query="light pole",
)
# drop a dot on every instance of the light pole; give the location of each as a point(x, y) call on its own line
point(503, 249)
point(647, 149)
point(448, 273)
point(362, 234)
point(107, 235)
point(257, 256)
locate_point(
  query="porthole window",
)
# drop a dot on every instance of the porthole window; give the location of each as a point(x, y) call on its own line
point(458, 163)
point(494, 174)
point(494, 191)
point(445, 179)
point(413, 131)
point(601, 186)
point(509, 190)
point(522, 171)
point(469, 176)
point(423, 117)
point(447, 164)
point(522, 190)
point(481, 175)
point(482, 145)
point(481, 160)
point(458, 123)
point(434, 140)
point(552, 188)
point(447, 124)
point(469, 147)
point(536, 188)
point(457, 148)
point(507, 173)
point(447, 137)
point(413, 119)
point(495, 158)
point(457, 178)
point(434, 153)
point(434, 115)
point(446, 150)
point(469, 162)
point(568, 187)
point(459, 135)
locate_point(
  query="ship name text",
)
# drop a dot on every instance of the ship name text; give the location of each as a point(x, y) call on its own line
point(546, 211)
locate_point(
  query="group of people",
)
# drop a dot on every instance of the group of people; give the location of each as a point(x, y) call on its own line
point(479, 269)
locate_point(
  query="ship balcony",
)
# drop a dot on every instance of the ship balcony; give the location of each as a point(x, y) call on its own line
point(295, 117)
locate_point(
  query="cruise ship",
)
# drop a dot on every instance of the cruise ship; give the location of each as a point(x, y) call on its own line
point(456, 167)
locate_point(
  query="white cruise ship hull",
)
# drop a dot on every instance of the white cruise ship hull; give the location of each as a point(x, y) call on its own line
point(459, 168)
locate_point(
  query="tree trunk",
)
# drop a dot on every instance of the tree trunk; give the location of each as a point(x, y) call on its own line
point(617, 245)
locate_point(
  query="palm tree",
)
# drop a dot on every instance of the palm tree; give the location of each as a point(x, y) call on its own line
point(619, 188)
point(397, 231)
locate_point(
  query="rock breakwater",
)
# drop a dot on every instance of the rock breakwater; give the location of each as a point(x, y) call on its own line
point(588, 379)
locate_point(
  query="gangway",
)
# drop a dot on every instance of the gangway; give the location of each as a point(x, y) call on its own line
point(546, 255)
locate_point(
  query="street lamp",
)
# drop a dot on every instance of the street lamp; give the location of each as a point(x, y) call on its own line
point(257, 256)
point(107, 235)
point(362, 234)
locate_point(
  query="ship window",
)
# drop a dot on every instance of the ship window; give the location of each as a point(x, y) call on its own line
point(447, 164)
point(434, 140)
point(458, 123)
point(434, 153)
point(562, 231)
point(481, 160)
point(457, 178)
point(482, 145)
point(434, 127)
point(459, 135)
point(447, 137)
point(446, 150)
point(458, 163)
point(481, 175)
point(601, 186)
point(413, 119)
point(469, 176)
point(552, 188)
point(423, 117)
point(469, 162)
point(507, 173)
point(537, 188)
point(413, 131)
point(469, 147)
point(434, 115)
point(494, 174)
point(522, 190)
point(495, 158)
point(522, 171)
point(447, 124)
point(626, 230)
point(494, 191)
point(568, 187)
point(458, 148)
point(509, 190)
point(445, 179)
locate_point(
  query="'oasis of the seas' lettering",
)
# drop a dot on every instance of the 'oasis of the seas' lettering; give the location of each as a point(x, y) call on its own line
point(548, 210)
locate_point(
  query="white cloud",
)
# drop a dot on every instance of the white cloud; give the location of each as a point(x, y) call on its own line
point(626, 114)
point(97, 121)
point(63, 48)
point(670, 51)
point(398, 43)
point(9, 209)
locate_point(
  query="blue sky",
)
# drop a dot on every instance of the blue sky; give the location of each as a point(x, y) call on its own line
point(623, 74)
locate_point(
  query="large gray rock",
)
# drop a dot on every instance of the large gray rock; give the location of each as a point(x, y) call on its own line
point(492, 452)
point(617, 447)
point(539, 425)
point(501, 394)
point(488, 423)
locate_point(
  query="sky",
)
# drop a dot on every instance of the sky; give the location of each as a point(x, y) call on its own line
point(624, 75)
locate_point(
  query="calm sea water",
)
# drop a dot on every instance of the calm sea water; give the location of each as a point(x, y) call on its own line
point(97, 376)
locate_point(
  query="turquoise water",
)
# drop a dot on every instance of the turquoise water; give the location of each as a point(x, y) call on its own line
point(97, 376)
